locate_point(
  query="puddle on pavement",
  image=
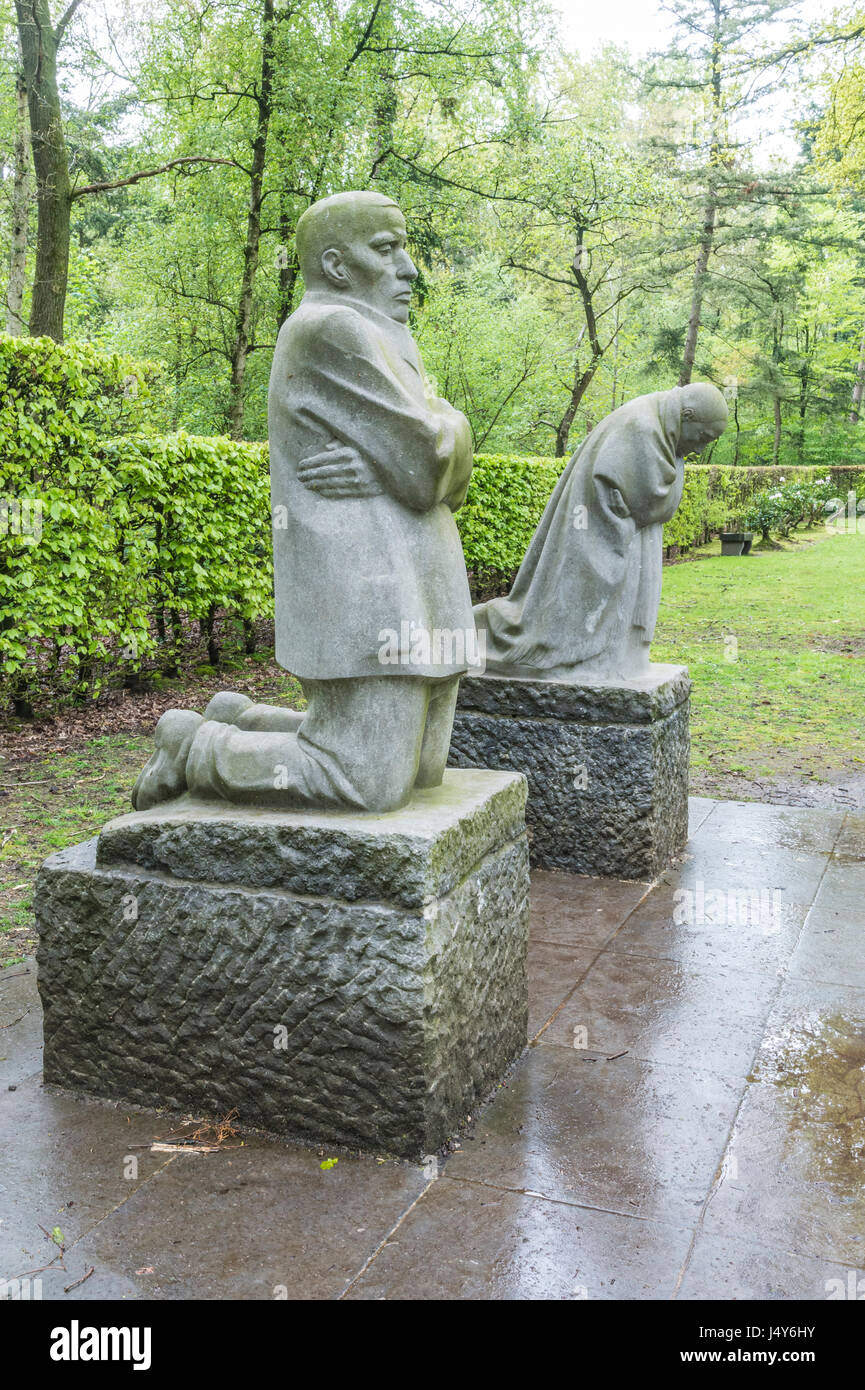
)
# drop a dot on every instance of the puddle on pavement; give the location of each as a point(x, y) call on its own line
point(818, 1061)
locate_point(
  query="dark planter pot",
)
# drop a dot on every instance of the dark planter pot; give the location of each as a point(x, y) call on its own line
point(749, 541)
point(732, 542)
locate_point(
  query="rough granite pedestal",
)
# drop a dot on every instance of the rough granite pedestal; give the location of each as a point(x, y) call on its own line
point(606, 762)
point(354, 979)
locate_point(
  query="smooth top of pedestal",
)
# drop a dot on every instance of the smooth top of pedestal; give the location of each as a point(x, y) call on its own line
point(602, 701)
point(407, 856)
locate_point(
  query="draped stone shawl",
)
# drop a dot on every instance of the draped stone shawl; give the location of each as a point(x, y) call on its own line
point(594, 563)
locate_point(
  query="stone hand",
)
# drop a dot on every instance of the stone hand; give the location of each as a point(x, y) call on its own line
point(338, 471)
point(618, 505)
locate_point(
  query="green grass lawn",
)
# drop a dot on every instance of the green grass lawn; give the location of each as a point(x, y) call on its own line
point(51, 804)
point(775, 642)
point(776, 647)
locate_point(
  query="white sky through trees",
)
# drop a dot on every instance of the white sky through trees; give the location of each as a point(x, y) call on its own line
point(640, 24)
point(646, 25)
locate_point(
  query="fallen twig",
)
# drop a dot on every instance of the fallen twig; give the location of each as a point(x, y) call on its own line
point(157, 1148)
point(15, 1020)
point(74, 1285)
point(60, 783)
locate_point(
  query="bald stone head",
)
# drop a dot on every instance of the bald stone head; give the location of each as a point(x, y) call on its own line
point(355, 244)
point(704, 416)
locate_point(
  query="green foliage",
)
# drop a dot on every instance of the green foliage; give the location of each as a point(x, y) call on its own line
point(505, 501)
point(508, 494)
point(201, 509)
point(801, 503)
point(715, 497)
point(100, 536)
point(64, 585)
point(113, 545)
point(60, 400)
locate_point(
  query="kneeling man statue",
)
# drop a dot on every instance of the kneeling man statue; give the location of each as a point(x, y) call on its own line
point(373, 612)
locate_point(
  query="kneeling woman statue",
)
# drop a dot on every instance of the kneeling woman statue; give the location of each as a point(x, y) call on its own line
point(585, 600)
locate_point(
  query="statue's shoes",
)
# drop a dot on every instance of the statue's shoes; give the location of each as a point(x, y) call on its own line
point(164, 776)
point(227, 706)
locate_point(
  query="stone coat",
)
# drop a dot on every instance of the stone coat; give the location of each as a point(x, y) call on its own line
point(348, 570)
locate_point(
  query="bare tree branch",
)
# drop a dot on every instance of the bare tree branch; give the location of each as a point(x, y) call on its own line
point(64, 20)
point(151, 173)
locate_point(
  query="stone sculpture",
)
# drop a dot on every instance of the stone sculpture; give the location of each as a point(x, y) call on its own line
point(341, 957)
point(585, 600)
point(373, 612)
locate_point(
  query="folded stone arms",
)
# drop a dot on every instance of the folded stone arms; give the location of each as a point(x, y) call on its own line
point(386, 433)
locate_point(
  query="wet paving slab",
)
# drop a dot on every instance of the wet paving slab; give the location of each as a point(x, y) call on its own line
point(619, 1135)
point(727, 1267)
point(662, 1012)
point(688, 1121)
point(699, 927)
point(747, 868)
point(571, 911)
point(796, 828)
point(20, 1025)
point(264, 1221)
point(554, 973)
point(831, 948)
point(64, 1167)
point(842, 888)
point(795, 1164)
point(473, 1241)
point(850, 845)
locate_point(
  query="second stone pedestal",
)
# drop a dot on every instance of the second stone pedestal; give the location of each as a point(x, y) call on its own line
point(348, 979)
point(606, 762)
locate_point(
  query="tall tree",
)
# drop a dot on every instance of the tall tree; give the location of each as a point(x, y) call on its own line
point(19, 213)
point(40, 40)
point(40, 43)
point(717, 57)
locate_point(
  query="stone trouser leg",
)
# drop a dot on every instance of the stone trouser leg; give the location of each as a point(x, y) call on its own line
point(363, 743)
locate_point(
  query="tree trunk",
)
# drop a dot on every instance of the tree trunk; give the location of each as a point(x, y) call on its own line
point(208, 629)
point(563, 429)
point(582, 380)
point(859, 385)
point(776, 445)
point(804, 388)
point(252, 245)
point(289, 269)
point(710, 209)
point(20, 214)
point(39, 54)
point(705, 251)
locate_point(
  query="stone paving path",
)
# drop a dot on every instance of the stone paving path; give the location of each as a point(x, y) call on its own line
point(688, 1121)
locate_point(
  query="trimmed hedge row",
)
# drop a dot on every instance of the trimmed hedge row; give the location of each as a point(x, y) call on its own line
point(114, 538)
point(508, 494)
point(103, 571)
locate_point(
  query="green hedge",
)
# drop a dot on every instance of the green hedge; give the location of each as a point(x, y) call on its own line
point(112, 540)
point(115, 537)
point(505, 502)
point(145, 536)
point(508, 494)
